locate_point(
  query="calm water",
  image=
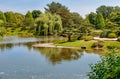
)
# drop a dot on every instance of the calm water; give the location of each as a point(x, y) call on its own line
point(19, 60)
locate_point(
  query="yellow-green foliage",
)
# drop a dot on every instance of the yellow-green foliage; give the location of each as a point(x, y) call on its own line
point(78, 43)
point(0, 37)
point(114, 44)
point(107, 68)
point(88, 44)
point(87, 38)
point(112, 35)
point(18, 32)
point(118, 39)
point(48, 24)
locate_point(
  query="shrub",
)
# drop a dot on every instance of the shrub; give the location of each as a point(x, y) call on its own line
point(94, 45)
point(98, 44)
point(107, 68)
point(112, 35)
point(118, 39)
point(110, 47)
point(87, 38)
point(96, 33)
point(104, 34)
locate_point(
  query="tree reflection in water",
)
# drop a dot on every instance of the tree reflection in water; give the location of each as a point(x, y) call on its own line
point(57, 55)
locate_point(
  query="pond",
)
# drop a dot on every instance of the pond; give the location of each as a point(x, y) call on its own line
point(19, 60)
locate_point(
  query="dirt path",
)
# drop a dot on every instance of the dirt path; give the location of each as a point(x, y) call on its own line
point(109, 39)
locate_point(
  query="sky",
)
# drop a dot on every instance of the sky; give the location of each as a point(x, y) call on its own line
point(83, 7)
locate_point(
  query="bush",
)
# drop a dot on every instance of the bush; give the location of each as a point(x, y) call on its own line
point(110, 47)
point(104, 34)
point(107, 68)
point(87, 38)
point(118, 39)
point(96, 33)
point(98, 44)
point(112, 35)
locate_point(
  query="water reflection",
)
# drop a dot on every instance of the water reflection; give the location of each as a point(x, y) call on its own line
point(57, 55)
point(21, 61)
point(54, 55)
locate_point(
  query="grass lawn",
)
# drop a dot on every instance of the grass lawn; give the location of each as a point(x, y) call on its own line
point(88, 44)
point(78, 44)
point(115, 44)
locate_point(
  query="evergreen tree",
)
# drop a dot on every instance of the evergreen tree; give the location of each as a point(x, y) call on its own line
point(36, 13)
point(92, 18)
point(99, 21)
point(105, 10)
point(59, 9)
point(29, 21)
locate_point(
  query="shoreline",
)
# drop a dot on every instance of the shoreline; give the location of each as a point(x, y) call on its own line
point(51, 45)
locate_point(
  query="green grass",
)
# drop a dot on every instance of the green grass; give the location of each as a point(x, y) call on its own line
point(1, 37)
point(88, 44)
point(77, 44)
point(115, 44)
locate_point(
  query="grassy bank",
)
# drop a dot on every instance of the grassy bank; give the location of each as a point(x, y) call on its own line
point(77, 44)
point(1, 37)
point(88, 44)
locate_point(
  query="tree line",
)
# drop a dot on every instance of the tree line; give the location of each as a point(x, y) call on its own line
point(59, 20)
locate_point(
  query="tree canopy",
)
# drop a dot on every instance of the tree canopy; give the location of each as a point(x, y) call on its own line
point(48, 24)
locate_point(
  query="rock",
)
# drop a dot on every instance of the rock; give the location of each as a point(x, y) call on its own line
point(83, 47)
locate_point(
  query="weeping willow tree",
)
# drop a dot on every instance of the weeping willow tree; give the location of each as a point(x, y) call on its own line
point(48, 24)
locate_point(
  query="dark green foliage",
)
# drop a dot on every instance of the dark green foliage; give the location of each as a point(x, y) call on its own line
point(76, 19)
point(105, 10)
point(92, 18)
point(29, 21)
point(36, 13)
point(107, 68)
point(118, 39)
point(110, 25)
point(105, 33)
point(116, 9)
point(59, 9)
point(115, 17)
point(111, 47)
point(117, 32)
point(99, 21)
